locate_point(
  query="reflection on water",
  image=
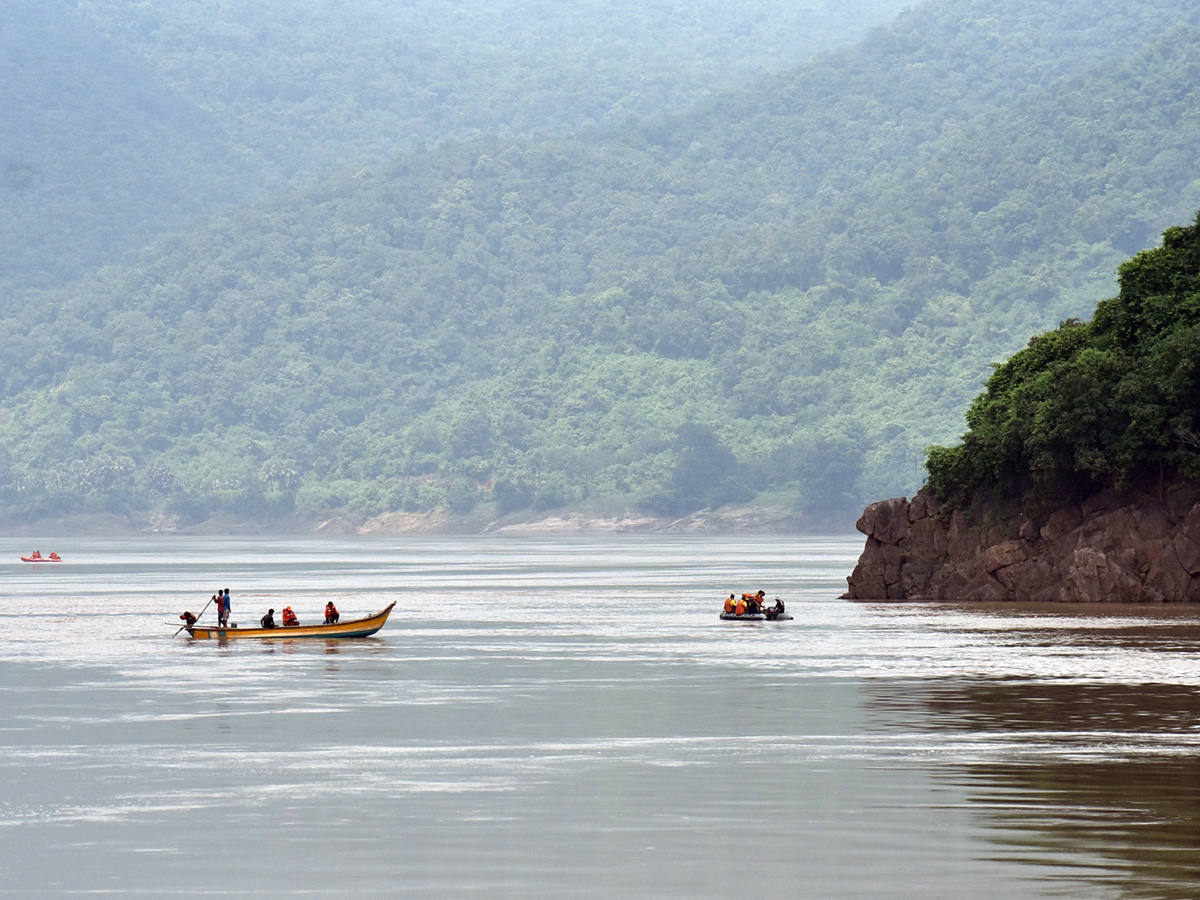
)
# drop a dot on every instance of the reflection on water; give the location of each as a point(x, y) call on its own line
point(1100, 780)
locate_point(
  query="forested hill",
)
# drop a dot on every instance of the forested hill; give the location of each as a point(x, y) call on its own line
point(786, 294)
point(96, 157)
point(1091, 405)
point(125, 118)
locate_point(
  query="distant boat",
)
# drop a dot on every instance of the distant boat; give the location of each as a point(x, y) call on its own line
point(52, 558)
point(754, 610)
point(349, 629)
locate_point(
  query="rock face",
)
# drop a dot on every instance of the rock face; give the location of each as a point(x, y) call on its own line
point(1139, 546)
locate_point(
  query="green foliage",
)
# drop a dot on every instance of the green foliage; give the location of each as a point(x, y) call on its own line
point(790, 289)
point(125, 119)
point(1092, 405)
point(705, 474)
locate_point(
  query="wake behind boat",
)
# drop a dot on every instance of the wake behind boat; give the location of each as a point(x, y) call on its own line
point(352, 628)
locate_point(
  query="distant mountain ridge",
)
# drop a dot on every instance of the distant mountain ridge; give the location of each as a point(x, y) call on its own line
point(787, 297)
point(124, 119)
point(92, 146)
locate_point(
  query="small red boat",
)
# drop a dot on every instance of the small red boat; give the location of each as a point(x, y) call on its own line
point(37, 557)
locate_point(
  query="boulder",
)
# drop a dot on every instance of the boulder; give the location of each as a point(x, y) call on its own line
point(1093, 578)
point(1000, 555)
point(886, 521)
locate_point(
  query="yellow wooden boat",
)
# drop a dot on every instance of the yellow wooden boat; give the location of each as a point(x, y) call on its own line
point(351, 628)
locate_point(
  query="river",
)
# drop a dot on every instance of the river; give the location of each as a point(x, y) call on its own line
point(568, 718)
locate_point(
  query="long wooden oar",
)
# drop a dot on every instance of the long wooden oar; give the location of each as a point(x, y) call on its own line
point(206, 606)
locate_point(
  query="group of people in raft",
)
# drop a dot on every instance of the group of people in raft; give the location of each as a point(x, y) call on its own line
point(221, 599)
point(37, 555)
point(752, 605)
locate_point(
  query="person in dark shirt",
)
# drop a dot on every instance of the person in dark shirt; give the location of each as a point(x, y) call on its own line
point(268, 621)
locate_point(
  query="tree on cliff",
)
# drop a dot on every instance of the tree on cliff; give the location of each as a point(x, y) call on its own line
point(1092, 405)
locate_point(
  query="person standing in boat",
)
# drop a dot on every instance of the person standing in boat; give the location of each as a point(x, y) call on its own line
point(221, 615)
point(331, 614)
point(268, 621)
point(225, 605)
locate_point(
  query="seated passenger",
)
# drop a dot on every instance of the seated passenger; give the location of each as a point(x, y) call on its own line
point(54, 556)
point(754, 602)
point(331, 613)
point(289, 618)
point(740, 607)
point(268, 621)
point(774, 612)
point(730, 604)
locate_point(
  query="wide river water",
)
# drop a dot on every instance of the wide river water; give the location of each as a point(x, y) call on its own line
point(568, 718)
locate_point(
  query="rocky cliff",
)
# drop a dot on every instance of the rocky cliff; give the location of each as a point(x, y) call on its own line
point(1140, 545)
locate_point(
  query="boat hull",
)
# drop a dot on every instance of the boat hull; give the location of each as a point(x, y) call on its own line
point(754, 617)
point(354, 628)
point(39, 559)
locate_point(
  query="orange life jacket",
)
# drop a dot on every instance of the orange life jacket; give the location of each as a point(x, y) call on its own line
point(740, 609)
point(289, 617)
point(729, 605)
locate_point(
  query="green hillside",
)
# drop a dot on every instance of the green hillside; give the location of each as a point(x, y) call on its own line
point(788, 292)
point(125, 119)
point(96, 158)
point(1092, 405)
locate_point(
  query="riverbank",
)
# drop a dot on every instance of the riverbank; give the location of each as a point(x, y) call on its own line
point(762, 518)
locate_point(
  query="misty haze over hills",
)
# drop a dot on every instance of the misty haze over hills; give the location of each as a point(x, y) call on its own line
point(780, 294)
point(126, 118)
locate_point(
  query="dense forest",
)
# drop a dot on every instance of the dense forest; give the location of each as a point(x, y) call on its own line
point(128, 118)
point(1092, 405)
point(782, 294)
